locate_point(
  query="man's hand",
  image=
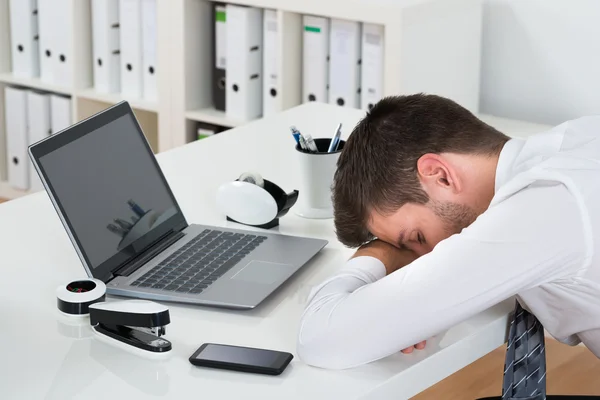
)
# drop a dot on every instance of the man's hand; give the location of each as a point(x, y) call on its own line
point(393, 259)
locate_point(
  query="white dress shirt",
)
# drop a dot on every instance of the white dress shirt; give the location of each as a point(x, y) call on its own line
point(536, 240)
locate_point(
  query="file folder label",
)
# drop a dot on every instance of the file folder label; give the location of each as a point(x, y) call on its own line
point(315, 59)
point(60, 113)
point(130, 14)
point(149, 58)
point(38, 115)
point(220, 37)
point(372, 66)
point(47, 41)
point(220, 56)
point(62, 38)
point(105, 46)
point(16, 137)
point(24, 38)
point(244, 63)
point(344, 66)
point(271, 95)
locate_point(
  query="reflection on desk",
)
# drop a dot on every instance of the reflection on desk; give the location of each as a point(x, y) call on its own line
point(145, 374)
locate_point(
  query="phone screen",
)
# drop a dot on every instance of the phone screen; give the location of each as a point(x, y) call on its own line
point(226, 354)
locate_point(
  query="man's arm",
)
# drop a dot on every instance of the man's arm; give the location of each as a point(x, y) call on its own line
point(391, 257)
point(361, 315)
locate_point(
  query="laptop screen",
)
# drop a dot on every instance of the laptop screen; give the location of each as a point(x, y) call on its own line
point(110, 191)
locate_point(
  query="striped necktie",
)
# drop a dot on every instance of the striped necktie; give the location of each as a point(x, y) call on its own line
point(525, 365)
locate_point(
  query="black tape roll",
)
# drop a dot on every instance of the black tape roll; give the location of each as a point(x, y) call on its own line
point(76, 297)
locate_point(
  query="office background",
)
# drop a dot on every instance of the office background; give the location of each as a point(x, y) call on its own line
point(538, 61)
point(533, 60)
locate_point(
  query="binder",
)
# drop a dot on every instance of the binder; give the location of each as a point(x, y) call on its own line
point(38, 116)
point(149, 59)
point(47, 53)
point(344, 64)
point(16, 137)
point(206, 130)
point(219, 55)
point(243, 98)
point(60, 113)
point(24, 38)
point(315, 59)
point(62, 38)
point(271, 55)
point(372, 65)
point(105, 46)
point(130, 15)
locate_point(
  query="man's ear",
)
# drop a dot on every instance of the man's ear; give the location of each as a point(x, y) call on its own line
point(437, 174)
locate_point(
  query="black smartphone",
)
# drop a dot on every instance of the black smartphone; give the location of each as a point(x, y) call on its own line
point(244, 359)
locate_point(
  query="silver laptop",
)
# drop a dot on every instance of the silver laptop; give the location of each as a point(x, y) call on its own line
point(129, 231)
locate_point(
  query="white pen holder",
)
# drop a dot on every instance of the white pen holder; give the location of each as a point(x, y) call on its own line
point(316, 174)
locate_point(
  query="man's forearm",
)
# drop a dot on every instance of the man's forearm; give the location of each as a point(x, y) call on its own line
point(391, 257)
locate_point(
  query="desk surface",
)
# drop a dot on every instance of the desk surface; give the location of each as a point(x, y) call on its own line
point(47, 356)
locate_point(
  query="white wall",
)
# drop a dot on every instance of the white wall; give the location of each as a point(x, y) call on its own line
point(541, 59)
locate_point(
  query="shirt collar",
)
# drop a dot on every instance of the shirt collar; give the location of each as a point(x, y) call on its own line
point(506, 160)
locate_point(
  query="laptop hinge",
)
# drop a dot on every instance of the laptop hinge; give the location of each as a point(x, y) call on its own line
point(157, 247)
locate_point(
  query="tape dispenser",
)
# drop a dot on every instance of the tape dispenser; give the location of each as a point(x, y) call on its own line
point(254, 201)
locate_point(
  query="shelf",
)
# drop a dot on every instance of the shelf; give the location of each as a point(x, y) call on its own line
point(34, 83)
point(9, 193)
point(373, 11)
point(114, 98)
point(213, 116)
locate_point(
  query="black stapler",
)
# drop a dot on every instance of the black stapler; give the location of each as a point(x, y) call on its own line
point(139, 323)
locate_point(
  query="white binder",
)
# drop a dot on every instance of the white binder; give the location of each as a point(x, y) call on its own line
point(16, 137)
point(243, 98)
point(60, 113)
point(105, 46)
point(130, 15)
point(344, 64)
point(24, 38)
point(372, 66)
point(149, 59)
point(271, 55)
point(315, 59)
point(47, 46)
point(63, 39)
point(38, 114)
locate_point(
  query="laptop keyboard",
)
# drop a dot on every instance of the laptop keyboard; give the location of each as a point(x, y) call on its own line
point(195, 266)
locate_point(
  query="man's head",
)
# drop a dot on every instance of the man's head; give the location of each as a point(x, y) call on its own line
point(414, 171)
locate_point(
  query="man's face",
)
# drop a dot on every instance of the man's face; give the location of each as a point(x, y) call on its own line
point(420, 227)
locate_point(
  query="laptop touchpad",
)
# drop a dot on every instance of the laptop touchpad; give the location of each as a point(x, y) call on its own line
point(263, 272)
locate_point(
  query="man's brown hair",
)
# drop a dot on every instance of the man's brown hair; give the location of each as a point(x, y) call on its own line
point(377, 169)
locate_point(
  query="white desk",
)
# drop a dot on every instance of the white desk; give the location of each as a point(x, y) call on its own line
point(41, 361)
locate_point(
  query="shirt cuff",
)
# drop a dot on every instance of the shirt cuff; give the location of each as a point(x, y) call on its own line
point(370, 265)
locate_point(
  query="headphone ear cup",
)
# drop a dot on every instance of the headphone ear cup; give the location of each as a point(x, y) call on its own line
point(252, 177)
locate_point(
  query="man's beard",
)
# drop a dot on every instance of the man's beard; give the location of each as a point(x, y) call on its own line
point(454, 216)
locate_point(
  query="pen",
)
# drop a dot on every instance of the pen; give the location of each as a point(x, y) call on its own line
point(310, 143)
point(302, 143)
point(335, 140)
point(123, 224)
point(295, 133)
point(136, 208)
point(116, 230)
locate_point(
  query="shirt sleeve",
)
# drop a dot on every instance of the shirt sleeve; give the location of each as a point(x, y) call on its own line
point(360, 315)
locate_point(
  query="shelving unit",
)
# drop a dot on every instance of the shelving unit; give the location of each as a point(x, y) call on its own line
point(429, 46)
point(213, 116)
point(154, 117)
point(421, 53)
